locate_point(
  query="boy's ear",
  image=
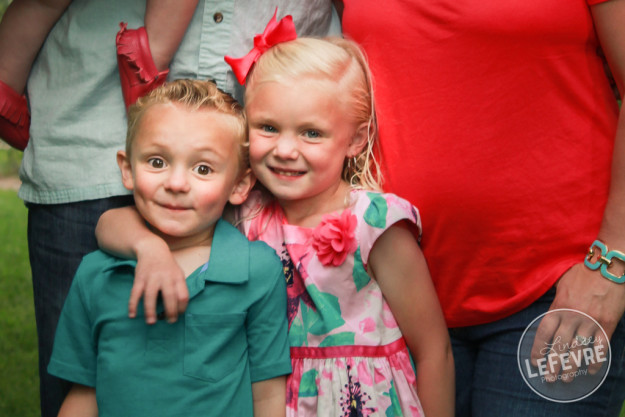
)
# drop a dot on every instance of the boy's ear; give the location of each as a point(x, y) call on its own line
point(242, 188)
point(359, 140)
point(126, 170)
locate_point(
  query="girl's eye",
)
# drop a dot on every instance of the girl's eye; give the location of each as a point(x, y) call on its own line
point(268, 129)
point(156, 162)
point(312, 134)
point(203, 169)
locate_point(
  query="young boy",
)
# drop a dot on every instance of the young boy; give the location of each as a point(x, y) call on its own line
point(185, 159)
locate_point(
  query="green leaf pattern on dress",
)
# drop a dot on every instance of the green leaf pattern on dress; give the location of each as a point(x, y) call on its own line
point(319, 321)
point(361, 278)
point(375, 215)
point(395, 409)
point(339, 339)
point(308, 384)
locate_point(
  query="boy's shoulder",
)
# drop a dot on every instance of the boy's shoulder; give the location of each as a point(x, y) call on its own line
point(254, 258)
point(99, 260)
point(98, 264)
point(234, 238)
point(95, 274)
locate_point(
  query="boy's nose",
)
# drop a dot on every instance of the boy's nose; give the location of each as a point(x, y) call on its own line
point(178, 181)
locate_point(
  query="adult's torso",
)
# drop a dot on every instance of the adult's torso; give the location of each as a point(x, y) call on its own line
point(78, 117)
point(497, 122)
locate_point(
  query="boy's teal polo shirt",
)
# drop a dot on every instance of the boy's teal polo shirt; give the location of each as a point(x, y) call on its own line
point(233, 333)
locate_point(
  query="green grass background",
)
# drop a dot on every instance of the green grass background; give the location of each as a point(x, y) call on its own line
point(19, 376)
point(19, 381)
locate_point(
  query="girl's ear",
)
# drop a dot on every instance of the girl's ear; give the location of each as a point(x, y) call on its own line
point(242, 188)
point(359, 140)
point(126, 170)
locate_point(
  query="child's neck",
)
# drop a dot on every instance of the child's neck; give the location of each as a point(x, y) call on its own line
point(190, 259)
point(190, 252)
point(308, 212)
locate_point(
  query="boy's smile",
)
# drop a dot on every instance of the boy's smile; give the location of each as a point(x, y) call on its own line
point(183, 169)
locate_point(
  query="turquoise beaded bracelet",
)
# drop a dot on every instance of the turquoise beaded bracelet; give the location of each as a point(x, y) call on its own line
point(604, 261)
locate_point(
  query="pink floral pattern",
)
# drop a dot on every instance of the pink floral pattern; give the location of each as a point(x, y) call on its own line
point(334, 239)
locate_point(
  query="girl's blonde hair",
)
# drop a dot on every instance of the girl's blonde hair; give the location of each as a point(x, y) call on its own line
point(195, 95)
point(343, 62)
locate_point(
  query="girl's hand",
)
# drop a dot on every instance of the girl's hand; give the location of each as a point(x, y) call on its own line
point(157, 272)
point(123, 233)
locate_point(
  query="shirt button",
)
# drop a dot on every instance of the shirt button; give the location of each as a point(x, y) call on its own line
point(218, 17)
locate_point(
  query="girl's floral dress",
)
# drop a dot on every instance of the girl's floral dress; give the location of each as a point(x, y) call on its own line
point(348, 355)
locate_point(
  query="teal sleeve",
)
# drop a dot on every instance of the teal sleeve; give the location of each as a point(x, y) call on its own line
point(75, 352)
point(267, 325)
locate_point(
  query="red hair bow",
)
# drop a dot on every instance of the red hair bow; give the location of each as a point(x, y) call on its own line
point(275, 33)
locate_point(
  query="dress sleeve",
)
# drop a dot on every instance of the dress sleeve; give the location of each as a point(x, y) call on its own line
point(74, 352)
point(593, 2)
point(267, 323)
point(377, 212)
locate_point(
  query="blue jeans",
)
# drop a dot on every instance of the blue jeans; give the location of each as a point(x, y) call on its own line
point(59, 236)
point(489, 383)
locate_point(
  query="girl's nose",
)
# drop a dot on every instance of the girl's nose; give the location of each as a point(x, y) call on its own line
point(286, 147)
point(177, 181)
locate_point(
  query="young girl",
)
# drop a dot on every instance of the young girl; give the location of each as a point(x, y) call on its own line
point(144, 54)
point(360, 298)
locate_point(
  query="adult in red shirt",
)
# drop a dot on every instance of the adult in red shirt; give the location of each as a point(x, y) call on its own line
point(498, 122)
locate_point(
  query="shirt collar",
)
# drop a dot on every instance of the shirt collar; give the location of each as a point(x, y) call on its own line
point(228, 261)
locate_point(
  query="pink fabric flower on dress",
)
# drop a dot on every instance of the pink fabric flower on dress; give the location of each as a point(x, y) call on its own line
point(334, 238)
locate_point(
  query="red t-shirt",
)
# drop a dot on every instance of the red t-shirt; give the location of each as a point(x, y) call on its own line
point(497, 121)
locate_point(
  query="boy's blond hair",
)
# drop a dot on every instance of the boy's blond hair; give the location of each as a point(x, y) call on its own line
point(343, 62)
point(195, 95)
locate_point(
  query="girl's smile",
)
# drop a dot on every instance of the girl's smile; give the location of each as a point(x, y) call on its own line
point(300, 137)
point(286, 172)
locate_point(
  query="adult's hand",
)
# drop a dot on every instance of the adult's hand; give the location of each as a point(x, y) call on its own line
point(586, 291)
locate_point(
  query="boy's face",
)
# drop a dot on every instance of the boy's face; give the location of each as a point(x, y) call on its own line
point(183, 168)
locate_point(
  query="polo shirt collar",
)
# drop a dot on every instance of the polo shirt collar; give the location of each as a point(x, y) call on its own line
point(228, 261)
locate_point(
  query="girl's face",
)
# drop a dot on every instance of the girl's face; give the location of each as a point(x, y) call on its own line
point(300, 135)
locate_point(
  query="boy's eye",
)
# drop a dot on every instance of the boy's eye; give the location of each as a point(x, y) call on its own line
point(268, 129)
point(156, 162)
point(203, 169)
